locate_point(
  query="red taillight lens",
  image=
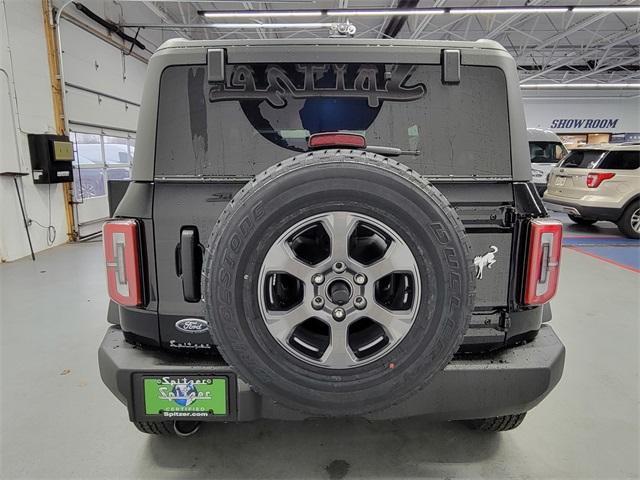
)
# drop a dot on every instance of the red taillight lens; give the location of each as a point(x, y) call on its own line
point(332, 139)
point(595, 179)
point(120, 239)
point(543, 263)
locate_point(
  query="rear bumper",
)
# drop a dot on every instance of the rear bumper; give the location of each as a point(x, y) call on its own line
point(511, 381)
point(580, 210)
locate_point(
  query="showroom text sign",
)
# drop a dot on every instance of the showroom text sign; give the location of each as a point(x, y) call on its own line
point(584, 123)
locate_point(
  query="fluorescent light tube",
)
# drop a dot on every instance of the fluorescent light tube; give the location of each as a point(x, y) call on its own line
point(508, 10)
point(386, 12)
point(620, 8)
point(268, 25)
point(596, 86)
point(263, 14)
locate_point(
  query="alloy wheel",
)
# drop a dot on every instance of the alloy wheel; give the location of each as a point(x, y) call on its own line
point(339, 290)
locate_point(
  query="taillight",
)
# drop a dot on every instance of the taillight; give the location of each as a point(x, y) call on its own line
point(334, 139)
point(120, 239)
point(543, 262)
point(595, 179)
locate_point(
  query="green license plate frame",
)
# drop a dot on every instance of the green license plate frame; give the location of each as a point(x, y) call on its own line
point(177, 396)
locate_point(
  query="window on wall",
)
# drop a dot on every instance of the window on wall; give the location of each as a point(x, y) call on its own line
point(100, 158)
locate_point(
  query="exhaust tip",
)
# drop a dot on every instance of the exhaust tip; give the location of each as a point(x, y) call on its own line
point(186, 429)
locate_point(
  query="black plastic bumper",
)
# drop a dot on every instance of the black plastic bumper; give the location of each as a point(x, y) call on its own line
point(540, 188)
point(510, 381)
point(593, 213)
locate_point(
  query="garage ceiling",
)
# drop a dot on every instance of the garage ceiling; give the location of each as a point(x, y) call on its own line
point(571, 47)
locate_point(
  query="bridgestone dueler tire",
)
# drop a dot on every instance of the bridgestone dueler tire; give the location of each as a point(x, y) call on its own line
point(310, 184)
point(497, 424)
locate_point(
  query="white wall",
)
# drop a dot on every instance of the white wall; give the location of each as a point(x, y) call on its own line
point(22, 35)
point(583, 113)
point(89, 62)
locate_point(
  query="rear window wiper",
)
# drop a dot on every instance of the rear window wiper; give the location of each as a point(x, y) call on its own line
point(391, 151)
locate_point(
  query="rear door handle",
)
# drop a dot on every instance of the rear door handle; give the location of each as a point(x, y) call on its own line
point(189, 263)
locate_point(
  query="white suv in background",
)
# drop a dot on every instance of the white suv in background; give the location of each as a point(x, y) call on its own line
point(546, 150)
point(599, 182)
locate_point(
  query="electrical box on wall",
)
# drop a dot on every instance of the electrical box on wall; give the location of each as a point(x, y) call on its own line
point(51, 158)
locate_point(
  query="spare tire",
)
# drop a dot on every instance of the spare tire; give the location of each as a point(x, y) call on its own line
point(338, 282)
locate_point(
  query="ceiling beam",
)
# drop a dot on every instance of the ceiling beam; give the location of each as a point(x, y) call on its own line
point(424, 22)
point(627, 61)
point(573, 29)
point(587, 54)
point(164, 16)
point(492, 34)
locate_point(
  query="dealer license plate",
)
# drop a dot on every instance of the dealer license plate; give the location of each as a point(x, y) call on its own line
point(560, 181)
point(186, 396)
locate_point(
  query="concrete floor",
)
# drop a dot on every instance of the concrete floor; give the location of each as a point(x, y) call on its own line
point(59, 421)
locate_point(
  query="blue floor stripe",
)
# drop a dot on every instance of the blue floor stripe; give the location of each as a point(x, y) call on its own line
point(622, 255)
point(600, 241)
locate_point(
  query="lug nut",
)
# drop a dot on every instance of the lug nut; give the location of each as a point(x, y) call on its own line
point(339, 267)
point(339, 314)
point(317, 303)
point(359, 303)
point(318, 279)
point(360, 278)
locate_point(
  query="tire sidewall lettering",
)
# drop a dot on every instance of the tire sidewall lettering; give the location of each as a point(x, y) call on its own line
point(258, 215)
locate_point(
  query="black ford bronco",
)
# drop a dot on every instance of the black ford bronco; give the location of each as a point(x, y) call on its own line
point(330, 228)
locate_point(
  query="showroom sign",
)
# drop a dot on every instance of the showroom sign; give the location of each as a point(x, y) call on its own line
point(584, 123)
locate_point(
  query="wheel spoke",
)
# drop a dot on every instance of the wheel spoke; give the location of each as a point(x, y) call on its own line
point(635, 221)
point(398, 258)
point(338, 353)
point(339, 227)
point(396, 323)
point(281, 258)
point(281, 324)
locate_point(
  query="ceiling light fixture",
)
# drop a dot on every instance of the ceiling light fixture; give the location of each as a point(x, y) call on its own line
point(262, 13)
point(395, 12)
point(585, 86)
point(267, 25)
point(619, 8)
point(385, 12)
point(495, 10)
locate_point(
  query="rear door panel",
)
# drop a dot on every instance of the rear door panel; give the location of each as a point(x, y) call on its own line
point(179, 203)
point(213, 136)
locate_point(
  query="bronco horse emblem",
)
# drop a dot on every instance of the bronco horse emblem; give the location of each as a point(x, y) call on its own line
point(485, 260)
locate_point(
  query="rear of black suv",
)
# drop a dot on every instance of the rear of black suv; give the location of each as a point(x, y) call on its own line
point(330, 229)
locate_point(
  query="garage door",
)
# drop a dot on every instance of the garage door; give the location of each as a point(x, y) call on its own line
point(99, 157)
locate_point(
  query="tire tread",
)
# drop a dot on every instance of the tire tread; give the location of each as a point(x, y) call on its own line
point(280, 169)
point(497, 424)
point(155, 428)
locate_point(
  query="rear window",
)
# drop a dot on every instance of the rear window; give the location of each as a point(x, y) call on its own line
point(264, 113)
point(621, 160)
point(583, 158)
point(546, 152)
point(602, 159)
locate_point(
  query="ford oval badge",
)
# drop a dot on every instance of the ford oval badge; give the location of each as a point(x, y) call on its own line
point(192, 325)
